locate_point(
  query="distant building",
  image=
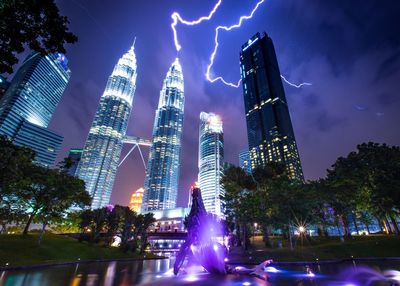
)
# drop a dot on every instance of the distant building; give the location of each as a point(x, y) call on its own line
point(169, 220)
point(74, 155)
point(211, 162)
point(4, 84)
point(136, 200)
point(162, 174)
point(244, 161)
point(168, 233)
point(30, 102)
point(100, 156)
point(269, 127)
point(44, 142)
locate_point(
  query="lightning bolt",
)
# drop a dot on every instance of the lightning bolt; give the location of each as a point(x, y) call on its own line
point(295, 85)
point(176, 17)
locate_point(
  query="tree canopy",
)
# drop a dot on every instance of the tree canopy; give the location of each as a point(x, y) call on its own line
point(36, 24)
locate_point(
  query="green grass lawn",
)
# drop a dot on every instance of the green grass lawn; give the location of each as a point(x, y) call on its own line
point(17, 250)
point(321, 248)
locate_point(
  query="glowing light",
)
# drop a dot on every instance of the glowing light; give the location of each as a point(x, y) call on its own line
point(215, 247)
point(302, 229)
point(246, 283)
point(271, 269)
point(177, 18)
point(310, 274)
point(216, 44)
point(226, 259)
point(295, 85)
point(191, 278)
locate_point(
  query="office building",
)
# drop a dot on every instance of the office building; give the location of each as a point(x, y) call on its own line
point(162, 174)
point(269, 127)
point(211, 162)
point(30, 101)
point(136, 200)
point(74, 157)
point(100, 156)
point(244, 161)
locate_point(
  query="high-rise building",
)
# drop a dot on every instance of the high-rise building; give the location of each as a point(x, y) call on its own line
point(136, 200)
point(74, 156)
point(162, 174)
point(100, 156)
point(211, 162)
point(244, 161)
point(29, 104)
point(45, 143)
point(269, 127)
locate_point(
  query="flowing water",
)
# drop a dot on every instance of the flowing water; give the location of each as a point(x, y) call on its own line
point(159, 272)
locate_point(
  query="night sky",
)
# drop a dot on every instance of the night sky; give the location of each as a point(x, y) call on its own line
point(349, 50)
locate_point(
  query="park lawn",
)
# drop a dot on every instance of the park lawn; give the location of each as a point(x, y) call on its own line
point(17, 250)
point(321, 249)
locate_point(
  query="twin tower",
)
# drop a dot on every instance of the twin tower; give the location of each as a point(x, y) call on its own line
point(101, 154)
point(269, 130)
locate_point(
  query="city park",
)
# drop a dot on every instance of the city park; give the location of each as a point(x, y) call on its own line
point(350, 215)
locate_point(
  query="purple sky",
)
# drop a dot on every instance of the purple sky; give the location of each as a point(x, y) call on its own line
point(349, 50)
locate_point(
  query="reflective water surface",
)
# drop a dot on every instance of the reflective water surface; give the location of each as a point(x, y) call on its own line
point(159, 272)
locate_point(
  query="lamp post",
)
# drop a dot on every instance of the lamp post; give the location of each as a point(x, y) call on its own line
point(254, 231)
point(302, 230)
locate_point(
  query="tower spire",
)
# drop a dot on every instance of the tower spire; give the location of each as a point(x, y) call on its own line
point(133, 45)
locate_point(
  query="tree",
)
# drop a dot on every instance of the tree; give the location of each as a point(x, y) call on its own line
point(144, 222)
point(94, 222)
point(239, 205)
point(14, 166)
point(49, 194)
point(367, 180)
point(36, 24)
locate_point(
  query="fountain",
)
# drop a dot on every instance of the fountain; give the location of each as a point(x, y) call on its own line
point(201, 246)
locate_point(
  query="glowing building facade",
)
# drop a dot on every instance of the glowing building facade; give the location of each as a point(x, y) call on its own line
point(162, 174)
point(269, 127)
point(136, 200)
point(100, 156)
point(211, 162)
point(244, 161)
point(30, 101)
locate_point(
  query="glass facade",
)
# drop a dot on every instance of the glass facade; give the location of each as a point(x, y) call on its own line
point(244, 161)
point(100, 156)
point(269, 127)
point(45, 143)
point(30, 101)
point(162, 174)
point(75, 156)
point(211, 162)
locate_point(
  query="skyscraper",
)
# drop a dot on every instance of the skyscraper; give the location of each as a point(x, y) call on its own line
point(100, 156)
point(74, 156)
point(136, 200)
point(211, 162)
point(244, 161)
point(29, 104)
point(162, 174)
point(269, 127)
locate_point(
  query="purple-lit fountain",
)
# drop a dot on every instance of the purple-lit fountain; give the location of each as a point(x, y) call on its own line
point(199, 242)
point(201, 245)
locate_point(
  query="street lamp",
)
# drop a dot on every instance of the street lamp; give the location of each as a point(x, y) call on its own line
point(302, 229)
point(254, 230)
